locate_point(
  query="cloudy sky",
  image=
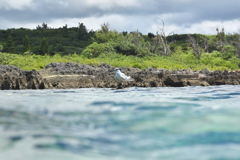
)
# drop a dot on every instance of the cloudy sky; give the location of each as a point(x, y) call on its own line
point(179, 16)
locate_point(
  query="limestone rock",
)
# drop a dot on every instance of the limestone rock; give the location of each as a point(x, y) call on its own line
point(72, 75)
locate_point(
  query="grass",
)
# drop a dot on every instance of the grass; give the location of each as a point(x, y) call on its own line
point(174, 62)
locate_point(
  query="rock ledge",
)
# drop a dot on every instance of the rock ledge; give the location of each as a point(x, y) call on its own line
point(72, 75)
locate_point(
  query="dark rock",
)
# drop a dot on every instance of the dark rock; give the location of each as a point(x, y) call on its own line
point(205, 72)
point(72, 75)
point(15, 78)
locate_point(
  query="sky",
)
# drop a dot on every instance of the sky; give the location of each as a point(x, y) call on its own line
point(179, 16)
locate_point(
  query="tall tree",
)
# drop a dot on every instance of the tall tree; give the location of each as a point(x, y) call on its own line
point(221, 35)
point(26, 44)
point(151, 35)
point(164, 42)
point(9, 45)
point(105, 27)
point(159, 43)
point(221, 40)
point(82, 32)
point(197, 49)
point(65, 31)
point(44, 47)
point(43, 27)
point(124, 33)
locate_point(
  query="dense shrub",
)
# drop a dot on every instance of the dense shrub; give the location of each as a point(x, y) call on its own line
point(176, 61)
point(95, 49)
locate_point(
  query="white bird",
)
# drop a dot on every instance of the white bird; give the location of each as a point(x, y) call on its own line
point(121, 77)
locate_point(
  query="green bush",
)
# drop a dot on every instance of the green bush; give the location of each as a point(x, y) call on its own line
point(127, 48)
point(95, 49)
point(6, 58)
point(107, 36)
point(130, 44)
point(137, 65)
point(228, 52)
point(173, 62)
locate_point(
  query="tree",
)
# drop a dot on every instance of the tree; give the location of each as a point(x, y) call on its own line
point(221, 40)
point(159, 42)
point(44, 47)
point(151, 35)
point(1, 47)
point(43, 27)
point(132, 44)
point(9, 45)
point(26, 44)
point(228, 51)
point(105, 27)
point(65, 31)
point(197, 49)
point(136, 38)
point(205, 43)
point(221, 35)
point(82, 32)
point(236, 43)
point(124, 33)
point(95, 49)
point(164, 42)
point(106, 35)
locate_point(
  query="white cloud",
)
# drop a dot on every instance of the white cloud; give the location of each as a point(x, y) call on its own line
point(116, 22)
point(15, 4)
point(205, 27)
point(209, 27)
point(110, 4)
point(179, 16)
point(142, 24)
point(57, 3)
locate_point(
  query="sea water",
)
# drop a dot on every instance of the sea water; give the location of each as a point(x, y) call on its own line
point(188, 123)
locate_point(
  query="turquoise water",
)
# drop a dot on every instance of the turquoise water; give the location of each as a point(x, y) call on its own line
point(131, 124)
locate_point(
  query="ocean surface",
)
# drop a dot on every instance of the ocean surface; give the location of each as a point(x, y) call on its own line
point(188, 123)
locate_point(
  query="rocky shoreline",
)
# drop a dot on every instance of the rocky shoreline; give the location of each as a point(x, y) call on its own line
point(71, 75)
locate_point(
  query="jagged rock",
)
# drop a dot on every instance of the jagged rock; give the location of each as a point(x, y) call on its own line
point(205, 72)
point(15, 78)
point(72, 75)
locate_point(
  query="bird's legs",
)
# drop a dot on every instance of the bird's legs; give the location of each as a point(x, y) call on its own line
point(120, 86)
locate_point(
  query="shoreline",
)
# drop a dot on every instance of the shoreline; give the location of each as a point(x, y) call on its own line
point(72, 75)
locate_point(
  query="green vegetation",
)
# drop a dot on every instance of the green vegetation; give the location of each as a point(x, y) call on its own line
point(34, 49)
point(212, 61)
point(61, 41)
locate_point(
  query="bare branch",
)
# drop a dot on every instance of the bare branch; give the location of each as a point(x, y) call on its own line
point(197, 50)
point(166, 50)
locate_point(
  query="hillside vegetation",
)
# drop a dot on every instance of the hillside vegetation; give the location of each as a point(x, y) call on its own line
point(33, 49)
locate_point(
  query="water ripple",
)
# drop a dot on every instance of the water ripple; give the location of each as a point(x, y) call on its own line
point(133, 123)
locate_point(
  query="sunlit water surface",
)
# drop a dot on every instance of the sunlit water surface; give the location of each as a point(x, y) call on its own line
point(131, 124)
